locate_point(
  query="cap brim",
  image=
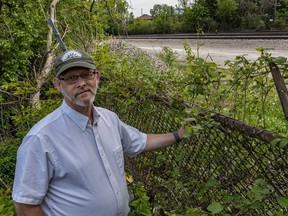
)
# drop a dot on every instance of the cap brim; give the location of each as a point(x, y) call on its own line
point(75, 64)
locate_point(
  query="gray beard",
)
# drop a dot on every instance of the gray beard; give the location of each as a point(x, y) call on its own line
point(77, 102)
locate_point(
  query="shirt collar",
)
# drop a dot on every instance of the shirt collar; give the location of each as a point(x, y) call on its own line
point(78, 118)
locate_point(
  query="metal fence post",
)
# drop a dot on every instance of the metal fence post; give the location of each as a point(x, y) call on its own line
point(281, 88)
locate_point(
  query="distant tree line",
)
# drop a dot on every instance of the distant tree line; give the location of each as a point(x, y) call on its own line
point(212, 16)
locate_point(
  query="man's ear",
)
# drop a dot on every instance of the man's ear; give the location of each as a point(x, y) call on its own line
point(56, 83)
point(98, 75)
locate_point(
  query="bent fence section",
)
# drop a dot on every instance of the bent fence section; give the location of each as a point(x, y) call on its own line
point(227, 162)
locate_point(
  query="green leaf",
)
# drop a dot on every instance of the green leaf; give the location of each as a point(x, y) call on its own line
point(190, 120)
point(215, 208)
point(179, 158)
point(274, 142)
point(211, 183)
point(279, 60)
point(197, 127)
point(256, 205)
point(283, 143)
point(283, 201)
point(176, 171)
point(230, 198)
point(2, 207)
point(260, 49)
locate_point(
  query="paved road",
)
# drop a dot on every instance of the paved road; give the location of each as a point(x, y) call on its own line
point(215, 49)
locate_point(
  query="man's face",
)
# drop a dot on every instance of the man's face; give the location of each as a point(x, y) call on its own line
point(78, 86)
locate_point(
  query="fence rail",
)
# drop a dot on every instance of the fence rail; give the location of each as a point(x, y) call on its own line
point(248, 130)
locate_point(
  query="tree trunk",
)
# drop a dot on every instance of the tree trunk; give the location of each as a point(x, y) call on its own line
point(49, 59)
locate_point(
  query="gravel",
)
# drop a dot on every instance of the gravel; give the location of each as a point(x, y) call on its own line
point(213, 49)
point(130, 49)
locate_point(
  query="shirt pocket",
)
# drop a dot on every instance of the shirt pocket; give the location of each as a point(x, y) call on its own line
point(118, 154)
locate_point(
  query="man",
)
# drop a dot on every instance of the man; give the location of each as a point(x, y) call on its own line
point(72, 161)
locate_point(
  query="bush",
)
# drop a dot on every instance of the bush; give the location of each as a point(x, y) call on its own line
point(6, 203)
point(8, 150)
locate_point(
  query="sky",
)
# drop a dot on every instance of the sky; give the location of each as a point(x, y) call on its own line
point(146, 5)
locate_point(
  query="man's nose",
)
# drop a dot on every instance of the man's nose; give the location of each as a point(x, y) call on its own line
point(81, 81)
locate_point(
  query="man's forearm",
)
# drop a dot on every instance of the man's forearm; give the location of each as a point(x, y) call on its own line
point(157, 141)
point(28, 210)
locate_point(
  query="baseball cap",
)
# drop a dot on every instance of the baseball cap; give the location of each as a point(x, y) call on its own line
point(73, 58)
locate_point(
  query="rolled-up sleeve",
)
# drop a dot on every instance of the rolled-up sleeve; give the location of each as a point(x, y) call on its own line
point(133, 141)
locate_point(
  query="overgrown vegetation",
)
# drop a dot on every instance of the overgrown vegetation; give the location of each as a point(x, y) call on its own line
point(243, 90)
point(213, 16)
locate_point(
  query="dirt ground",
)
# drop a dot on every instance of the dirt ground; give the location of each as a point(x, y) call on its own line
point(216, 50)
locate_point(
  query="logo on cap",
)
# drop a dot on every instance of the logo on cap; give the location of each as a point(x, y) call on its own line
point(71, 55)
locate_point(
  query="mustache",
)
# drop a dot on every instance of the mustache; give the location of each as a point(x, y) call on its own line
point(86, 89)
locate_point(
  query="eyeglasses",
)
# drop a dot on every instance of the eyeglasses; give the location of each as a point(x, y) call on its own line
point(87, 75)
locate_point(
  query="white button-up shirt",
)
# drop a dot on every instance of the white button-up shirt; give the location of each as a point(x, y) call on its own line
point(72, 167)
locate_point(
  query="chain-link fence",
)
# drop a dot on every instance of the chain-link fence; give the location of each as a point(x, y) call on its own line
point(227, 161)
